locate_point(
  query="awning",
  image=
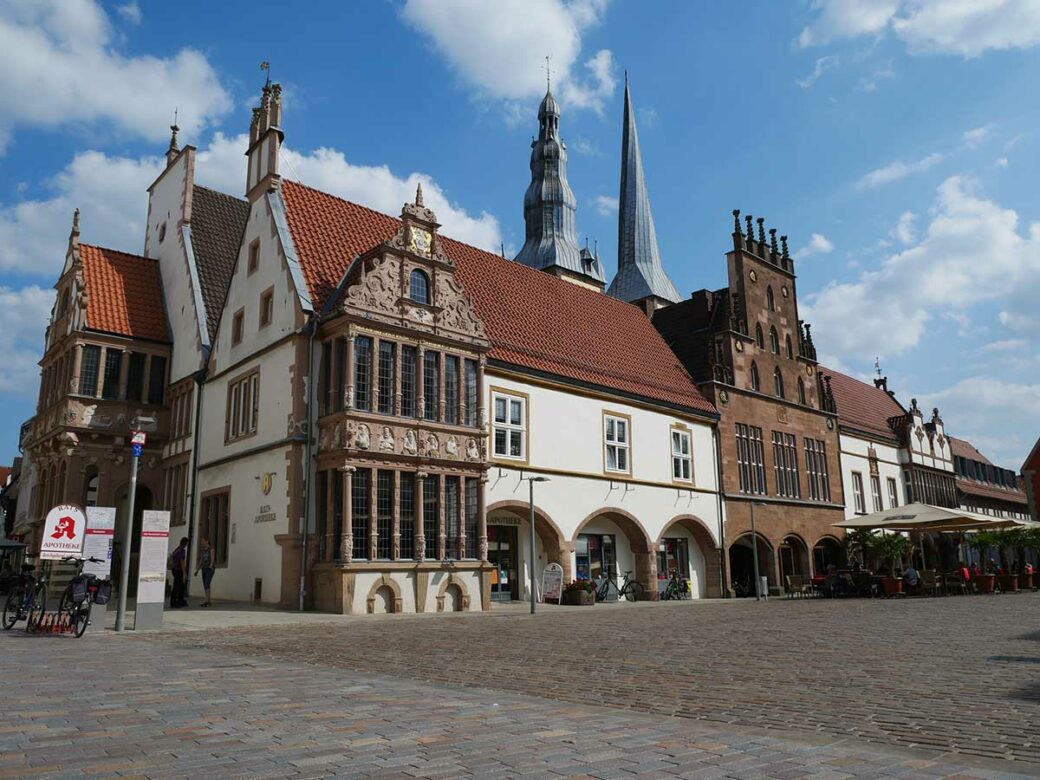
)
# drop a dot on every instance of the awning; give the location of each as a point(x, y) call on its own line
point(925, 517)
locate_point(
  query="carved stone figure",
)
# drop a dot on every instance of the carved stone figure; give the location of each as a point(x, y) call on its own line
point(451, 447)
point(472, 450)
point(386, 439)
point(410, 446)
point(337, 437)
point(433, 445)
point(363, 437)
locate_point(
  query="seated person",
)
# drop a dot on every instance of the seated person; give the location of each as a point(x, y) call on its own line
point(911, 577)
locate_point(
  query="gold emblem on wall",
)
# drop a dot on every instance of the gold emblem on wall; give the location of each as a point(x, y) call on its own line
point(266, 481)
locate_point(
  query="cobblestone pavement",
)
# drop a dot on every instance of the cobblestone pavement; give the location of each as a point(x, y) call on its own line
point(948, 674)
point(107, 706)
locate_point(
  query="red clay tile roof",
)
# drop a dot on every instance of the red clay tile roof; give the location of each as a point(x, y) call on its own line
point(966, 449)
point(987, 490)
point(863, 406)
point(533, 320)
point(124, 294)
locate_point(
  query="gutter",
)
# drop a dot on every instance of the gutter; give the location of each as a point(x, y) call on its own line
point(311, 329)
point(724, 591)
point(200, 381)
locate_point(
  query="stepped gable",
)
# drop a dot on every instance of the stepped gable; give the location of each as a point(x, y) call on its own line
point(124, 294)
point(218, 222)
point(864, 406)
point(534, 320)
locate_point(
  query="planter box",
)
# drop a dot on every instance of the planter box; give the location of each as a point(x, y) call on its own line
point(1008, 583)
point(984, 583)
point(579, 598)
point(893, 585)
point(1025, 581)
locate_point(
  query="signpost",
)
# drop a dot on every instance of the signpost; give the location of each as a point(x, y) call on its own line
point(151, 569)
point(137, 442)
point(552, 583)
point(63, 532)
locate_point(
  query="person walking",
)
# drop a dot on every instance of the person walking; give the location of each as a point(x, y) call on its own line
point(179, 561)
point(205, 565)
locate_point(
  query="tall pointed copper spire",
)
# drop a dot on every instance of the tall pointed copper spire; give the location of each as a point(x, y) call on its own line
point(640, 273)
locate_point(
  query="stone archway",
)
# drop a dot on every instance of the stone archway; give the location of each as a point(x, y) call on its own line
point(712, 554)
point(380, 590)
point(453, 595)
point(828, 551)
point(742, 563)
point(644, 551)
point(555, 545)
point(794, 558)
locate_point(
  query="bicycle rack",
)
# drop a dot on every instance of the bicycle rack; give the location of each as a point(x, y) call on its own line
point(54, 623)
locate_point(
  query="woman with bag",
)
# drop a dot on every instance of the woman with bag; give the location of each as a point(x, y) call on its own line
point(205, 564)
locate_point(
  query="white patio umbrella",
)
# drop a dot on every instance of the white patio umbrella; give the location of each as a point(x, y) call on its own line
point(925, 517)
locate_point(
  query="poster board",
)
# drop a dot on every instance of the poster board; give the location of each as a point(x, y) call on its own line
point(552, 583)
point(151, 569)
point(63, 533)
point(101, 533)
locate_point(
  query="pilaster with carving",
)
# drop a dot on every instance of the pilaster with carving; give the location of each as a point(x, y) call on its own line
point(346, 545)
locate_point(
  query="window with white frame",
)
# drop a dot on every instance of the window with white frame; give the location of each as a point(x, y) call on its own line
point(857, 492)
point(509, 426)
point(243, 407)
point(893, 493)
point(617, 441)
point(875, 491)
point(682, 461)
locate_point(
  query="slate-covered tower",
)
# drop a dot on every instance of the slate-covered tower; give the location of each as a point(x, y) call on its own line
point(641, 279)
point(550, 208)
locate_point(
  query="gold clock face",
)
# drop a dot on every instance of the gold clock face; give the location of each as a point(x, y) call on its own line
point(419, 241)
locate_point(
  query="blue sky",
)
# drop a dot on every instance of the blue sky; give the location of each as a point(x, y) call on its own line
point(894, 141)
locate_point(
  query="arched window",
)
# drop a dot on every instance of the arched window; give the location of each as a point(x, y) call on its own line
point(420, 287)
point(759, 340)
point(790, 352)
point(755, 384)
point(770, 300)
point(801, 392)
point(774, 341)
point(778, 380)
point(90, 487)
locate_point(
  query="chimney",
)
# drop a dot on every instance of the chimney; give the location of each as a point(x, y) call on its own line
point(881, 383)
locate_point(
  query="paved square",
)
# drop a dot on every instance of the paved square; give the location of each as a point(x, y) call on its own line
point(823, 690)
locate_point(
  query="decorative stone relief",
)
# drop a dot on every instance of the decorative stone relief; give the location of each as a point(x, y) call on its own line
point(456, 309)
point(362, 437)
point(378, 288)
point(410, 446)
point(386, 439)
point(432, 445)
point(472, 449)
point(451, 447)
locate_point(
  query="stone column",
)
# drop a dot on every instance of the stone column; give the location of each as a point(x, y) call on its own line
point(398, 369)
point(440, 384)
point(395, 547)
point(420, 381)
point(482, 536)
point(420, 529)
point(373, 390)
point(346, 539)
point(330, 514)
point(77, 366)
point(124, 371)
point(442, 536)
point(348, 375)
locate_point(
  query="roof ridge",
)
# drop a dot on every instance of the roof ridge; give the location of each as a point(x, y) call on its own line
point(119, 252)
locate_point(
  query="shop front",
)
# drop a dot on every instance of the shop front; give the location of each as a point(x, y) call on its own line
point(504, 555)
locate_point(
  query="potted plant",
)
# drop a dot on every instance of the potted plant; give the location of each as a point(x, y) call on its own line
point(579, 593)
point(981, 542)
point(891, 548)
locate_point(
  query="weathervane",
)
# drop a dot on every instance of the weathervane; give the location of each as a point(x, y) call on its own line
point(548, 73)
point(266, 66)
point(877, 365)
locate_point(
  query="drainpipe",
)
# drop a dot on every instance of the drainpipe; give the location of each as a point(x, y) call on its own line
point(311, 329)
point(200, 380)
point(723, 590)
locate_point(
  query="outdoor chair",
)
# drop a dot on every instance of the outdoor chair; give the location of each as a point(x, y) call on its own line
point(931, 583)
point(797, 585)
point(954, 583)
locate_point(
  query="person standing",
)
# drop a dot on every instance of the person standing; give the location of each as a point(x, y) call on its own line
point(179, 559)
point(205, 565)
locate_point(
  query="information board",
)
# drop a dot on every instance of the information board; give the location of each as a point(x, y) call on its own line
point(552, 583)
point(101, 533)
point(151, 566)
point(63, 532)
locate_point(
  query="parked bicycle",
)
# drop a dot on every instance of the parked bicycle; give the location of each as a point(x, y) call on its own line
point(630, 589)
point(26, 599)
point(677, 588)
point(81, 594)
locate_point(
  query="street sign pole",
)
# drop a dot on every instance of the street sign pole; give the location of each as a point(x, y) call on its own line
point(128, 532)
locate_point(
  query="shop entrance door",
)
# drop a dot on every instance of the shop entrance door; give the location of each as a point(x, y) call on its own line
point(503, 554)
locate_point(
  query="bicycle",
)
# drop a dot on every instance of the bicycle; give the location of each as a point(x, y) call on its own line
point(82, 592)
point(630, 589)
point(676, 588)
point(26, 601)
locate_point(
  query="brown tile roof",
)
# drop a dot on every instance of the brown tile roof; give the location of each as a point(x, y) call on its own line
point(124, 294)
point(966, 449)
point(533, 319)
point(217, 224)
point(863, 406)
point(987, 490)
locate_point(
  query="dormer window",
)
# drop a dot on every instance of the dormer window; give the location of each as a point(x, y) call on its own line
point(419, 287)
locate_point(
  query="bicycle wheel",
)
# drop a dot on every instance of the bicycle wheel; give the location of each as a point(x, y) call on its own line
point(634, 591)
point(37, 607)
point(67, 604)
point(81, 619)
point(13, 607)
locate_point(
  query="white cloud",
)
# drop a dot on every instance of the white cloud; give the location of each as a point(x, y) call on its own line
point(818, 244)
point(906, 229)
point(822, 65)
point(972, 253)
point(1006, 345)
point(111, 195)
point(896, 171)
point(584, 146)
point(967, 28)
point(61, 67)
point(131, 12)
point(873, 81)
point(607, 205)
point(500, 48)
point(23, 318)
point(977, 136)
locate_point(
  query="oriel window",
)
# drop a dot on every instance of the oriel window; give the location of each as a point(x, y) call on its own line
point(363, 373)
point(387, 378)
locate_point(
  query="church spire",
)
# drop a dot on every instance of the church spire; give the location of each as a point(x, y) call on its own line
point(550, 208)
point(640, 276)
